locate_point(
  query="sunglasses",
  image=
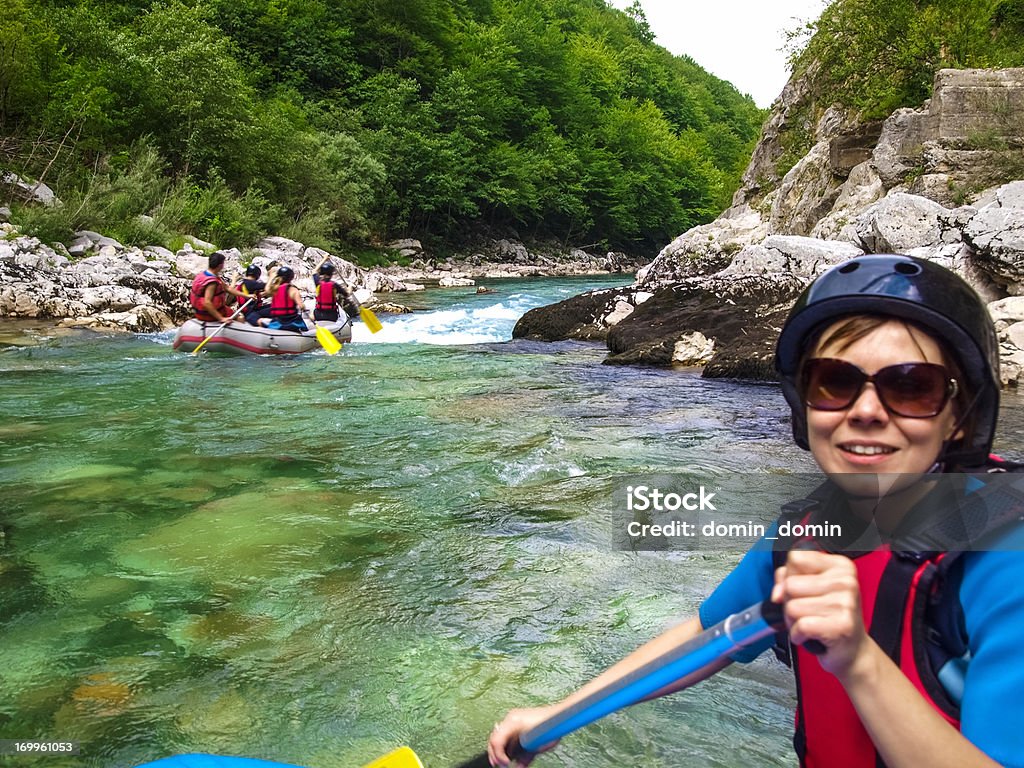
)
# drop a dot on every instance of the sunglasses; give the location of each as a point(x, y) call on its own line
point(913, 390)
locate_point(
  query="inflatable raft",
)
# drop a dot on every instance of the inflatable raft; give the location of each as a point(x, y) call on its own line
point(245, 339)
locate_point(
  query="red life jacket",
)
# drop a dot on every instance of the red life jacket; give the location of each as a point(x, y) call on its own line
point(911, 587)
point(282, 306)
point(325, 298)
point(828, 730)
point(196, 295)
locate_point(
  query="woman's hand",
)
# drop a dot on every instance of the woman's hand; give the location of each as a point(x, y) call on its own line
point(515, 722)
point(821, 597)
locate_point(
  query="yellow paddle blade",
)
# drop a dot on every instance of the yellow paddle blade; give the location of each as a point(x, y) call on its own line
point(370, 320)
point(403, 757)
point(330, 344)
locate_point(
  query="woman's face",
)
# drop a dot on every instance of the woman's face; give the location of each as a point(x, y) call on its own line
point(865, 437)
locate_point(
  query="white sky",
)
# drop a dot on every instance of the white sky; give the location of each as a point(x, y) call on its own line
point(736, 40)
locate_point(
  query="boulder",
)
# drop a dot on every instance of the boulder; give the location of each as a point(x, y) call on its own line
point(408, 247)
point(704, 249)
point(793, 256)
point(693, 349)
point(142, 319)
point(862, 187)
point(379, 282)
point(807, 193)
point(1006, 312)
point(189, 263)
point(898, 223)
point(200, 245)
point(30, 192)
point(579, 317)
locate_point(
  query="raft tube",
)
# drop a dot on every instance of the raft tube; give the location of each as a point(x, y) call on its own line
point(245, 339)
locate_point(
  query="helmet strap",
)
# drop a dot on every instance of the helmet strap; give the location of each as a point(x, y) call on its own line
point(945, 454)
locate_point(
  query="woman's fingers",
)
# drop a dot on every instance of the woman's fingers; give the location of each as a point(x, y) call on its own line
point(515, 722)
point(821, 597)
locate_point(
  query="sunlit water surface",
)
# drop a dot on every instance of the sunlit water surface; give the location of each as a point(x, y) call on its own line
point(316, 559)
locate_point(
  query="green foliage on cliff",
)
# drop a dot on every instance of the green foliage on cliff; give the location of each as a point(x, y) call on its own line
point(355, 120)
point(878, 55)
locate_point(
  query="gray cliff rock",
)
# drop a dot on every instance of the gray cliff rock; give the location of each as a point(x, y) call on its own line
point(939, 182)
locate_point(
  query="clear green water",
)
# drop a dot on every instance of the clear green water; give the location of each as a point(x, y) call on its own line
point(315, 560)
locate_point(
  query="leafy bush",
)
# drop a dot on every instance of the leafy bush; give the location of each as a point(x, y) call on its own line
point(212, 212)
point(878, 55)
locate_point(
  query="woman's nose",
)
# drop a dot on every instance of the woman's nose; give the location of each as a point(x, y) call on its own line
point(868, 407)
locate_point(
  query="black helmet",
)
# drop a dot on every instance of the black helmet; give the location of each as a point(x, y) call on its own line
point(327, 268)
point(912, 289)
point(286, 273)
point(253, 271)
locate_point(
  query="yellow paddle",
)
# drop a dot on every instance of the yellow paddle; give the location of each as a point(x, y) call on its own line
point(370, 320)
point(403, 757)
point(330, 344)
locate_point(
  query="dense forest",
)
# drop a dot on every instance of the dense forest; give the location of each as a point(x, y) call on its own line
point(340, 122)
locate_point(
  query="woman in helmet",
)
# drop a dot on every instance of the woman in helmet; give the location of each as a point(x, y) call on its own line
point(285, 304)
point(252, 286)
point(890, 366)
point(331, 295)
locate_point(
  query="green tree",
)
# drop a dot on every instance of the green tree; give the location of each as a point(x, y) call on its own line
point(26, 47)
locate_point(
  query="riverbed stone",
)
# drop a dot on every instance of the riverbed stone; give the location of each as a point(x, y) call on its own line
point(693, 349)
point(455, 282)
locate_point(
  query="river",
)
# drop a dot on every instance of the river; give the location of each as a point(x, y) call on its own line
point(317, 559)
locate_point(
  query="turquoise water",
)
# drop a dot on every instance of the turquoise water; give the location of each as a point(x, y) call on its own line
point(315, 560)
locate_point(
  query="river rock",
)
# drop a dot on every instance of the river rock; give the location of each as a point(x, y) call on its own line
point(996, 235)
point(704, 249)
point(900, 222)
point(693, 349)
point(189, 263)
point(200, 245)
point(790, 255)
point(281, 248)
point(30, 192)
point(379, 282)
point(139, 319)
point(455, 282)
point(408, 248)
point(579, 317)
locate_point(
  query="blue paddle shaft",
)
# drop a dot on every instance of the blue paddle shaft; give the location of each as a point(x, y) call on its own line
point(710, 647)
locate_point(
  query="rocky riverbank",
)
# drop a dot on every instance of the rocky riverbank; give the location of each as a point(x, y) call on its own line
point(919, 183)
point(96, 282)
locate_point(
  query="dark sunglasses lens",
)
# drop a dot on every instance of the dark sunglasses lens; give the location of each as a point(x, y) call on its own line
point(831, 385)
point(917, 390)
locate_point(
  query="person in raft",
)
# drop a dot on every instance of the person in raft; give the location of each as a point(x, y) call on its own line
point(331, 295)
point(890, 365)
point(210, 295)
point(285, 304)
point(252, 287)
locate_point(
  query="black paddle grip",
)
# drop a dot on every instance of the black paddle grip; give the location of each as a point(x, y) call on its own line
point(513, 749)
